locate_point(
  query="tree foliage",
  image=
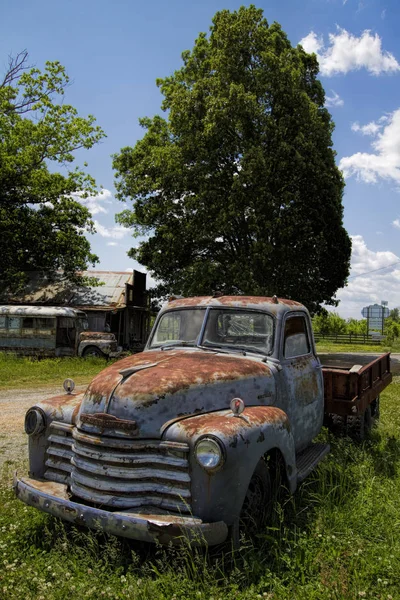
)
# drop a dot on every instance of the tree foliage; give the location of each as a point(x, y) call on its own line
point(41, 226)
point(237, 187)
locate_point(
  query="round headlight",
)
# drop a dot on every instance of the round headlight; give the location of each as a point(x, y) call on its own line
point(209, 454)
point(34, 421)
point(69, 386)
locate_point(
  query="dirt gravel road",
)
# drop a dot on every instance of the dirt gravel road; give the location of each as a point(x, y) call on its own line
point(13, 406)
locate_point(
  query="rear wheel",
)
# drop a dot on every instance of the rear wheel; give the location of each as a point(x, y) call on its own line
point(358, 427)
point(376, 409)
point(92, 351)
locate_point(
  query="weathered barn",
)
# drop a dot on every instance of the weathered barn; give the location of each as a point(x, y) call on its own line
point(119, 303)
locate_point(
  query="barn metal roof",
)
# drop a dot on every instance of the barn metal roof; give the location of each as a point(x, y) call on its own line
point(108, 295)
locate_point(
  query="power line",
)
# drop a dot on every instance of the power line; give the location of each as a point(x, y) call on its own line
point(375, 270)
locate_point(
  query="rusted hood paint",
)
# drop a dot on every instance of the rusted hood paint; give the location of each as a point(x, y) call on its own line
point(63, 408)
point(158, 386)
point(97, 335)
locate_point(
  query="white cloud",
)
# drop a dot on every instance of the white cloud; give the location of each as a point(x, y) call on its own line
point(117, 232)
point(95, 204)
point(396, 223)
point(384, 163)
point(112, 244)
point(369, 129)
point(371, 287)
point(347, 52)
point(334, 100)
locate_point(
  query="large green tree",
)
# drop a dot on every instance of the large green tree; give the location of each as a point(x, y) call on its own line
point(41, 226)
point(237, 187)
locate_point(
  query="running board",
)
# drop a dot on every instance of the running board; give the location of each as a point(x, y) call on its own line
point(308, 459)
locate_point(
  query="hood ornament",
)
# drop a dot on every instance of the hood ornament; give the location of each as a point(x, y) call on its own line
point(237, 406)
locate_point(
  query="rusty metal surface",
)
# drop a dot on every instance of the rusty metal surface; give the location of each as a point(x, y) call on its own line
point(40, 290)
point(176, 383)
point(96, 335)
point(348, 392)
point(256, 302)
point(151, 527)
point(116, 472)
point(129, 443)
point(64, 408)
point(106, 346)
point(245, 439)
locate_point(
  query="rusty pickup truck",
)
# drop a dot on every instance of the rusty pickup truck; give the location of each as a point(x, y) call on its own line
point(188, 439)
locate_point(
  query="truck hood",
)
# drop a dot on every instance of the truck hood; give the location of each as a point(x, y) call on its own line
point(154, 387)
point(96, 335)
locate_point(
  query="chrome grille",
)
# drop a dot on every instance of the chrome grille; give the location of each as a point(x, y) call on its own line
point(59, 453)
point(120, 473)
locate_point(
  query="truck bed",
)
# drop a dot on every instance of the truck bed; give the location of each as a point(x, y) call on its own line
point(350, 388)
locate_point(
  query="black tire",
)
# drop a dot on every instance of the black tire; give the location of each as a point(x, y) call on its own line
point(257, 505)
point(338, 424)
point(92, 351)
point(358, 427)
point(376, 409)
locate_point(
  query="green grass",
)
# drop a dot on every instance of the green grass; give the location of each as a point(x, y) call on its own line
point(325, 346)
point(337, 538)
point(23, 372)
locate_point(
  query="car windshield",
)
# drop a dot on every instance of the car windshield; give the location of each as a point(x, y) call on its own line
point(245, 330)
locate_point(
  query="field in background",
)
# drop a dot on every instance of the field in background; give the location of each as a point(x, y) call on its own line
point(24, 372)
point(337, 538)
point(324, 347)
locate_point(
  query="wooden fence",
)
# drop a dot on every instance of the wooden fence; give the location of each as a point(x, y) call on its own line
point(349, 338)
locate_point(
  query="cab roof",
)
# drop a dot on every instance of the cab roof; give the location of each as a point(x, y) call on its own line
point(272, 305)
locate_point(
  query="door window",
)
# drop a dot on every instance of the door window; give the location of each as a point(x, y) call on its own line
point(296, 341)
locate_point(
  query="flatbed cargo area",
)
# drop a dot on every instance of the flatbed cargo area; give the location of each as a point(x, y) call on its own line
point(349, 386)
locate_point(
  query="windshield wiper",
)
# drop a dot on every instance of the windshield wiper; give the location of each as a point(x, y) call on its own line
point(214, 348)
point(231, 348)
point(176, 344)
point(210, 346)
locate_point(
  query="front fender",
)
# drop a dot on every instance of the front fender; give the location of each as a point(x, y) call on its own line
point(104, 345)
point(219, 495)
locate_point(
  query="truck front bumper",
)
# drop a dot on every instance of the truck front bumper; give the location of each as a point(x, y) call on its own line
point(53, 498)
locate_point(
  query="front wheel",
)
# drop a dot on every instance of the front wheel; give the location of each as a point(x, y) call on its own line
point(92, 351)
point(257, 505)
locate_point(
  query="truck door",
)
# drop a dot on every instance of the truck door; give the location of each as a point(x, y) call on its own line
point(303, 376)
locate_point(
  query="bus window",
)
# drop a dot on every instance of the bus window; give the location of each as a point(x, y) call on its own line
point(14, 322)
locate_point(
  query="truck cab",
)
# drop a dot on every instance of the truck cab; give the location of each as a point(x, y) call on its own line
point(171, 442)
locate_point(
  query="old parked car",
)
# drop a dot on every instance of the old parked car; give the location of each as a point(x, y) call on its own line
point(189, 437)
point(52, 331)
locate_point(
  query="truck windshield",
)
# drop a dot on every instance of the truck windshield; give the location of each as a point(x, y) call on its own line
point(82, 324)
point(243, 329)
point(179, 327)
point(246, 330)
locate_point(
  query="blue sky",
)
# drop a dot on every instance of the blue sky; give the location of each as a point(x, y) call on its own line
point(114, 51)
